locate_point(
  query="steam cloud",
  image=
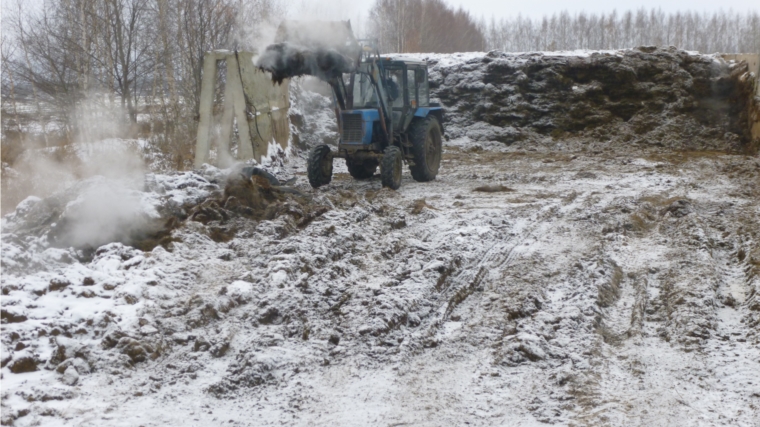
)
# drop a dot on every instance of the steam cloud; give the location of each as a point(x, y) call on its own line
point(105, 211)
point(91, 188)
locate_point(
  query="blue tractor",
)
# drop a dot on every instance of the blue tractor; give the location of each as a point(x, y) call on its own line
point(385, 119)
point(382, 104)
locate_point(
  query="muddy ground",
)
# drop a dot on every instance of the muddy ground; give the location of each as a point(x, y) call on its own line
point(575, 284)
point(573, 264)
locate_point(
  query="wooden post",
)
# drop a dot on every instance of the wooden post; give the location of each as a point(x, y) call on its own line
point(244, 64)
point(257, 85)
point(223, 157)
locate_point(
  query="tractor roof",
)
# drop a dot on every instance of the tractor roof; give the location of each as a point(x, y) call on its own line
point(401, 60)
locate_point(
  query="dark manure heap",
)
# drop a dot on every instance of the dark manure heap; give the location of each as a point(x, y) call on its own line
point(654, 96)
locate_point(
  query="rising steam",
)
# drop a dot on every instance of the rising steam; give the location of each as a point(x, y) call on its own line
point(91, 187)
point(105, 211)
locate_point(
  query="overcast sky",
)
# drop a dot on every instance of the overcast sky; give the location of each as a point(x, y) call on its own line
point(531, 8)
point(539, 8)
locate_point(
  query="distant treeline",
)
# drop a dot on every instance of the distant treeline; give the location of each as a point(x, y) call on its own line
point(734, 32)
point(432, 26)
point(424, 26)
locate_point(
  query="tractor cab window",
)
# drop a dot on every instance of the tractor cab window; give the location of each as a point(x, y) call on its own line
point(412, 88)
point(423, 90)
point(397, 85)
point(394, 85)
point(364, 92)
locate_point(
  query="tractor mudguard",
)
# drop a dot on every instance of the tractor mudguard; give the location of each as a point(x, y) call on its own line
point(424, 111)
point(435, 111)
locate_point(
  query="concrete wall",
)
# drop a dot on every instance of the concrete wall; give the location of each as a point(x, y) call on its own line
point(753, 61)
point(251, 100)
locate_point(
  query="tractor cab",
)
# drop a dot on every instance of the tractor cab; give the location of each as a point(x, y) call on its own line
point(405, 83)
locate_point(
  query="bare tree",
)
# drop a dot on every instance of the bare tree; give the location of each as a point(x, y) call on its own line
point(127, 47)
point(424, 26)
point(716, 32)
point(145, 55)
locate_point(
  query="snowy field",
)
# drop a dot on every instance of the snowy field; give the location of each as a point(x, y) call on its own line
point(524, 286)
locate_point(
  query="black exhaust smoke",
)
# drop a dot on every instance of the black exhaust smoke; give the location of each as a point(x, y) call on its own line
point(285, 60)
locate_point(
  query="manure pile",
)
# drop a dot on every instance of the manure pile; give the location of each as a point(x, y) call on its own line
point(650, 96)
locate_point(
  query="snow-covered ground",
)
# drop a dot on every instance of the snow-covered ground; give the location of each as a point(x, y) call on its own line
point(523, 286)
point(586, 274)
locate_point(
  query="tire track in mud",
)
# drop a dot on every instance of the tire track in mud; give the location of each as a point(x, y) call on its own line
point(747, 259)
point(503, 303)
point(734, 348)
point(481, 267)
point(703, 306)
point(719, 276)
point(621, 303)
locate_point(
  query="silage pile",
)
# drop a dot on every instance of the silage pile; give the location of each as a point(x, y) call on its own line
point(649, 96)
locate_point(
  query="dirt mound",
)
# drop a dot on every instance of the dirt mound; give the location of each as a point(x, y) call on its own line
point(89, 214)
point(648, 95)
point(101, 211)
point(253, 197)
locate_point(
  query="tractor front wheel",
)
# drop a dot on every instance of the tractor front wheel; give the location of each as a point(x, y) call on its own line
point(390, 167)
point(319, 167)
point(427, 145)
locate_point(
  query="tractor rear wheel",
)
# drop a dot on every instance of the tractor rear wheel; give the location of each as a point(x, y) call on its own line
point(361, 168)
point(319, 166)
point(426, 138)
point(391, 167)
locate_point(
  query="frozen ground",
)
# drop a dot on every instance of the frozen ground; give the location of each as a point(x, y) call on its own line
point(570, 287)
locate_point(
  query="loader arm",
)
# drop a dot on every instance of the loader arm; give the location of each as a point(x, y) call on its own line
point(339, 90)
point(385, 113)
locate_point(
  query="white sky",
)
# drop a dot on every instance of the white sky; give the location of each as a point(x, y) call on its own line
point(539, 8)
point(334, 9)
point(357, 10)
